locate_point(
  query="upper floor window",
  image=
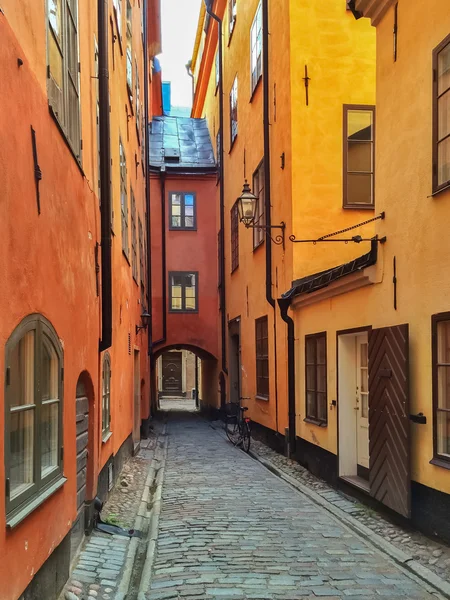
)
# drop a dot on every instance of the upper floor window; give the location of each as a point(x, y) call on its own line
point(441, 386)
point(256, 48)
point(258, 190)
point(183, 291)
point(134, 263)
point(182, 211)
point(234, 237)
point(33, 425)
point(316, 378)
point(63, 85)
point(232, 11)
point(262, 357)
point(359, 156)
point(130, 51)
point(106, 396)
point(218, 140)
point(118, 12)
point(441, 116)
point(234, 111)
point(138, 103)
point(123, 198)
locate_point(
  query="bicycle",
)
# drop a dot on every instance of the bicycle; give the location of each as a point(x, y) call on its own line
point(237, 426)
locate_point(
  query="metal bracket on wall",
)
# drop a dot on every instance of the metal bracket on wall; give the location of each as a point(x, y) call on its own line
point(357, 239)
point(37, 170)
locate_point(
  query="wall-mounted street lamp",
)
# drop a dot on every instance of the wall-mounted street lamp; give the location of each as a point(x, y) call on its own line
point(247, 207)
point(145, 319)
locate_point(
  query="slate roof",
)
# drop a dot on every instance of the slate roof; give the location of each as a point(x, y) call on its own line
point(181, 143)
point(317, 281)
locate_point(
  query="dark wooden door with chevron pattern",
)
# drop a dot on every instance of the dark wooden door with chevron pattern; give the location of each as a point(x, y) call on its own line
point(389, 438)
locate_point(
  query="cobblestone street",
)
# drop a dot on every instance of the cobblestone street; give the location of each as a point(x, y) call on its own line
point(228, 528)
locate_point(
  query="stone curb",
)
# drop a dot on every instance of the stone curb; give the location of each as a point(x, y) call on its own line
point(398, 556)
point(141, 523)
point(155, 512)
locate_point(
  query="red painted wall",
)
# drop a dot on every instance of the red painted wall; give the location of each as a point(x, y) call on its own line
point(187, 251)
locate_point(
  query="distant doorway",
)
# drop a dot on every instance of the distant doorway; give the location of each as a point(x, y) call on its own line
point(234, 330)
point(172, 375)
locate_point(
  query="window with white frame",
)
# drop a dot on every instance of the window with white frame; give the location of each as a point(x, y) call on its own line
point(258, 190)
point(256, 48)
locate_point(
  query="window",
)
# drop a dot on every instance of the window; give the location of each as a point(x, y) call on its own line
point(218, 152)
point(256, 48)
point(106, 396)
point(183, 292)
point(118, 13)
point(134, 264)
point(182, 211)
point(217, 70)
point(63, 84)
point(33, 427)
point(359, 158)
point(262, 358)
point(232, 11)
point(316, 378)
point(258, 190)
point(233, 111)
point(123, 198)
point(130, 51)
point(441, 387)
point(138, 104)
point(234, 237)
point(141, 249)
point(441, 116)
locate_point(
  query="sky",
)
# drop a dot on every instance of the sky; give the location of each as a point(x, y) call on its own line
point(179, 26)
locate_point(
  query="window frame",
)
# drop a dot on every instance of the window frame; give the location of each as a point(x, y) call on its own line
point(259, 235)
point(261, 357)
point(183, 309)
point(439, 460)
point(129, 51)
point(314, 419)
point(347, 108)
point(134, 263)
point(106, 393)
point(232, 15)
point(233, 112)
point(117, 4)
point(124, 200)
point(38, 492)
point(436, 186)
point(182, 211)
point(234, 237)
point(258, 62)
point(217, 70)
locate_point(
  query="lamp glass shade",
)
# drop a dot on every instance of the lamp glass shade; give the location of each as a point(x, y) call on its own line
point(247, 205)
point(145, 319)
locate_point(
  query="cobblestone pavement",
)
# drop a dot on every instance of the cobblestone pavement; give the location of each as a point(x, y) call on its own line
point(177, 404)
point(100, 564)
point(228, 528)
point(430, 553)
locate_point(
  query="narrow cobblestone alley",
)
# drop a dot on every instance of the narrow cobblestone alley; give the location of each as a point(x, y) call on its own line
point(229, 528)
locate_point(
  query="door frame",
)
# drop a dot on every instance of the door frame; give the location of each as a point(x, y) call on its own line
point(171, 353)
point(342, 332)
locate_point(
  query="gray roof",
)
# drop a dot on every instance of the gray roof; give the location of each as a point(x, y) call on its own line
point(181, 143)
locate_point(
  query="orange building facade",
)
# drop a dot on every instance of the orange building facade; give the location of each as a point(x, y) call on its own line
point(76, 386)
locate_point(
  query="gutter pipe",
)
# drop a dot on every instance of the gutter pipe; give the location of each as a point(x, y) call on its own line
point(284, 304)
point(162, 183)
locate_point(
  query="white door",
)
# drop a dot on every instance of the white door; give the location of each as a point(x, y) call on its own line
point(362, 400)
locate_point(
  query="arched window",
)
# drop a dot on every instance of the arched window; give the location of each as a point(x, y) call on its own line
point(106, 396)
point(33, 415)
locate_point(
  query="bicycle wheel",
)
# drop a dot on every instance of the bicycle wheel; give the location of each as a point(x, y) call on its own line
point(232, 430)
point(245, 437)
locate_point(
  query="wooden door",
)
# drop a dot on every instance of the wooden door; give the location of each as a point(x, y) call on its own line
point(362, 401)
point(389, 437)
point(172, 374)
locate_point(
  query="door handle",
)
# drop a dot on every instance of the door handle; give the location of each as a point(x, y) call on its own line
point(356, 407)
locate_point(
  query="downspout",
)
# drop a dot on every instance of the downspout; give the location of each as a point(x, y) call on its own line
point(208, 4)
point(147, 185)
point(105, 175)
point(284, 304)
point(191, 75)
point(162, 183)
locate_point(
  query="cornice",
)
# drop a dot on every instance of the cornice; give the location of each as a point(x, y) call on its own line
point(374, 9)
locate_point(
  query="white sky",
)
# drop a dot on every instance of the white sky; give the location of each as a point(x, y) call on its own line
point(179, 25)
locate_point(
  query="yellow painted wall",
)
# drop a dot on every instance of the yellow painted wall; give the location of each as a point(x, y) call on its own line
point(416, 228)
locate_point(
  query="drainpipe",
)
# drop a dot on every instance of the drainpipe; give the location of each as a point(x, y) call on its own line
point(284, 304)
point(147, 185)
point(162, 183)
point(191, 75)
point(208, 4)
point(105, 175)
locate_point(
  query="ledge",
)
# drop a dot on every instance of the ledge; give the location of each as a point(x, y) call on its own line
point(374, 9)
point(23, 513)
point(315, 422)
point(440, 462)
point(263, 398)
point(106, 437)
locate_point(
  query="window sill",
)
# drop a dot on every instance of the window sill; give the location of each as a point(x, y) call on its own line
point(315, 422)
point(358, 206)
point(439, 190)
point(255, 89)
point(263, 398)
point(234, 269)
point(261, 243)
point(183, 312)
point(126, 257)
point(106, 437)
point(183, 228)
point(233, 143)
point(230, 33)
point(19, 516)
point(440, 462)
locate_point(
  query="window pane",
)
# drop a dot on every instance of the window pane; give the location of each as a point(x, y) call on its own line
point(359, 189)
point(443, 332)
point(444, 161)
point(54, 16)
point(189, 200)
point(322, 406)
point(360, 125)
point(444, 69)
point(176, 199)
point(311, 405)
point(190, 303)
point(444, 387)
point(21, 440)
point(321, 351)
point(55, 61)
point(364, 355)
point(364, 380)
point(310, 351)
point(444, 115)
point(360, 156)
point(189, 222)
point(189, 211)
point(176, 303)
point(443, 433)
point(72, 51)
point(49, 437)
point(21, 364)
point(50, 368)
point(322, 379)
point(176, 221)
point(364, 406)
